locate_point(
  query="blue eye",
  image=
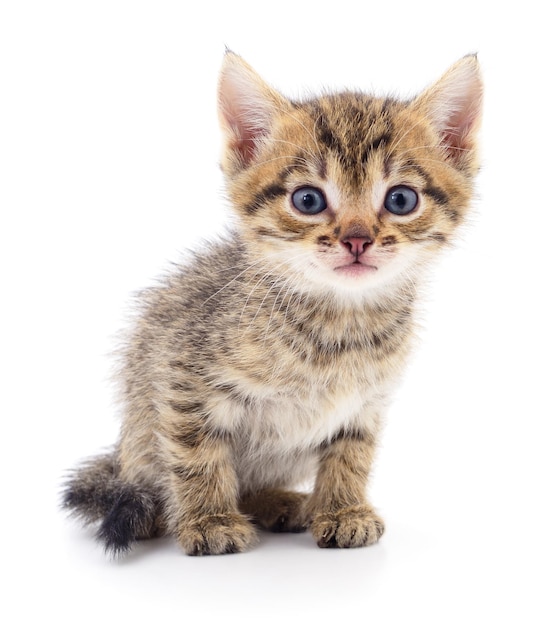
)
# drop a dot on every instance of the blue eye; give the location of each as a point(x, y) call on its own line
point(309, 200)
point(401, 200)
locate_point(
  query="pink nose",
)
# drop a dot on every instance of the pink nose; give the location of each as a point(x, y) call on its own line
point(357, 245)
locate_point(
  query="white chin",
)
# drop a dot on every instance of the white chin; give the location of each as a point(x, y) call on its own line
point(356, 271)
point(353, 280)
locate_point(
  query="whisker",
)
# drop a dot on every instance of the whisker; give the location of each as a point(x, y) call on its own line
point(279, 278)
point(262, 279)
point(301, 294)
point(272, 312)
point(247, 268)
point(259, 282)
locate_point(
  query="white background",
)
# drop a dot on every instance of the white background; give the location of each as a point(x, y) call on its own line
point(108, 169)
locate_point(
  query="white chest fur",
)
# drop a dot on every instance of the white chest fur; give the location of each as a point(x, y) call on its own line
point(277, 435)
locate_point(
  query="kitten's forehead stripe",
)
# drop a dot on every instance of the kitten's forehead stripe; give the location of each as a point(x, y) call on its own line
point(382, 141)
point(328, 137)
point(322, 168)
point(352, 126)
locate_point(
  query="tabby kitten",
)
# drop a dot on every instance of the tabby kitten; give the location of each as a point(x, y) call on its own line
point(271, 356)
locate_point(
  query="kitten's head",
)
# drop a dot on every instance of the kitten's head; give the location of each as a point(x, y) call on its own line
point(349, 193)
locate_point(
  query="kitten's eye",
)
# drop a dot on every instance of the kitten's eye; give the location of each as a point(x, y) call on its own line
point(309, 200)
point(401, 200)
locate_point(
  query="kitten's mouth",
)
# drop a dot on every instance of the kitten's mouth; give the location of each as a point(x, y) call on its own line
point(356, 268)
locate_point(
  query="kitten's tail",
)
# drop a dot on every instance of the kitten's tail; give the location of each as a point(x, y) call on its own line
point(127, 512)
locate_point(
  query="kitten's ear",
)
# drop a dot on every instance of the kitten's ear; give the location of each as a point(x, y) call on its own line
point(454, 105)
point(246, 109)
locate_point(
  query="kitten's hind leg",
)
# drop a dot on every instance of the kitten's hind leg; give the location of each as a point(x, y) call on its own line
point(277, 510)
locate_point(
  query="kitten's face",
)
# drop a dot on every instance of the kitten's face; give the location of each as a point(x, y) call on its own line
point(348, 192)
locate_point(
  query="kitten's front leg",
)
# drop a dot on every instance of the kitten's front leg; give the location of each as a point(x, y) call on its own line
point(341, 516)
point(204, 489)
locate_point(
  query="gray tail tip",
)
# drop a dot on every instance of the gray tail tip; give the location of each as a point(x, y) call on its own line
point(117, 540)
point(132, 516)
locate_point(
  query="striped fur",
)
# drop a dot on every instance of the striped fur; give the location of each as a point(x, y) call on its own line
point(270, 357)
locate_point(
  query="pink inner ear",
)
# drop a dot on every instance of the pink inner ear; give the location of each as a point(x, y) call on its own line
point(457, 134)
point(246, 144)
point(239, 138)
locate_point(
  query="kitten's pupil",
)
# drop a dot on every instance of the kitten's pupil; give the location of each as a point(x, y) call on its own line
point(309, 200)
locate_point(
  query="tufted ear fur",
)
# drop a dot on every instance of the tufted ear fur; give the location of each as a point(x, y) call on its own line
point(453, 105)
point(246, 109)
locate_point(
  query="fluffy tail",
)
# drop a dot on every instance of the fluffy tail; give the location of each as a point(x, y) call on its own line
point(127, 512)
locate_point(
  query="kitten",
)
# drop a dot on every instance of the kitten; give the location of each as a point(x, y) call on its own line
point(270, 358)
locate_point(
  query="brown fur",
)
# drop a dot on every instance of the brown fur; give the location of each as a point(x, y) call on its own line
point(266, 360)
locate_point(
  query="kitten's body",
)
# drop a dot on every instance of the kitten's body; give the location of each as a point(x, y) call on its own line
point(336, 364)
point(269, 358)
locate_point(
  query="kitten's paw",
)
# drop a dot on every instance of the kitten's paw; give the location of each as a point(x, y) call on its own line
point(217, 534)
point(352, 527)
point(277, 510)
